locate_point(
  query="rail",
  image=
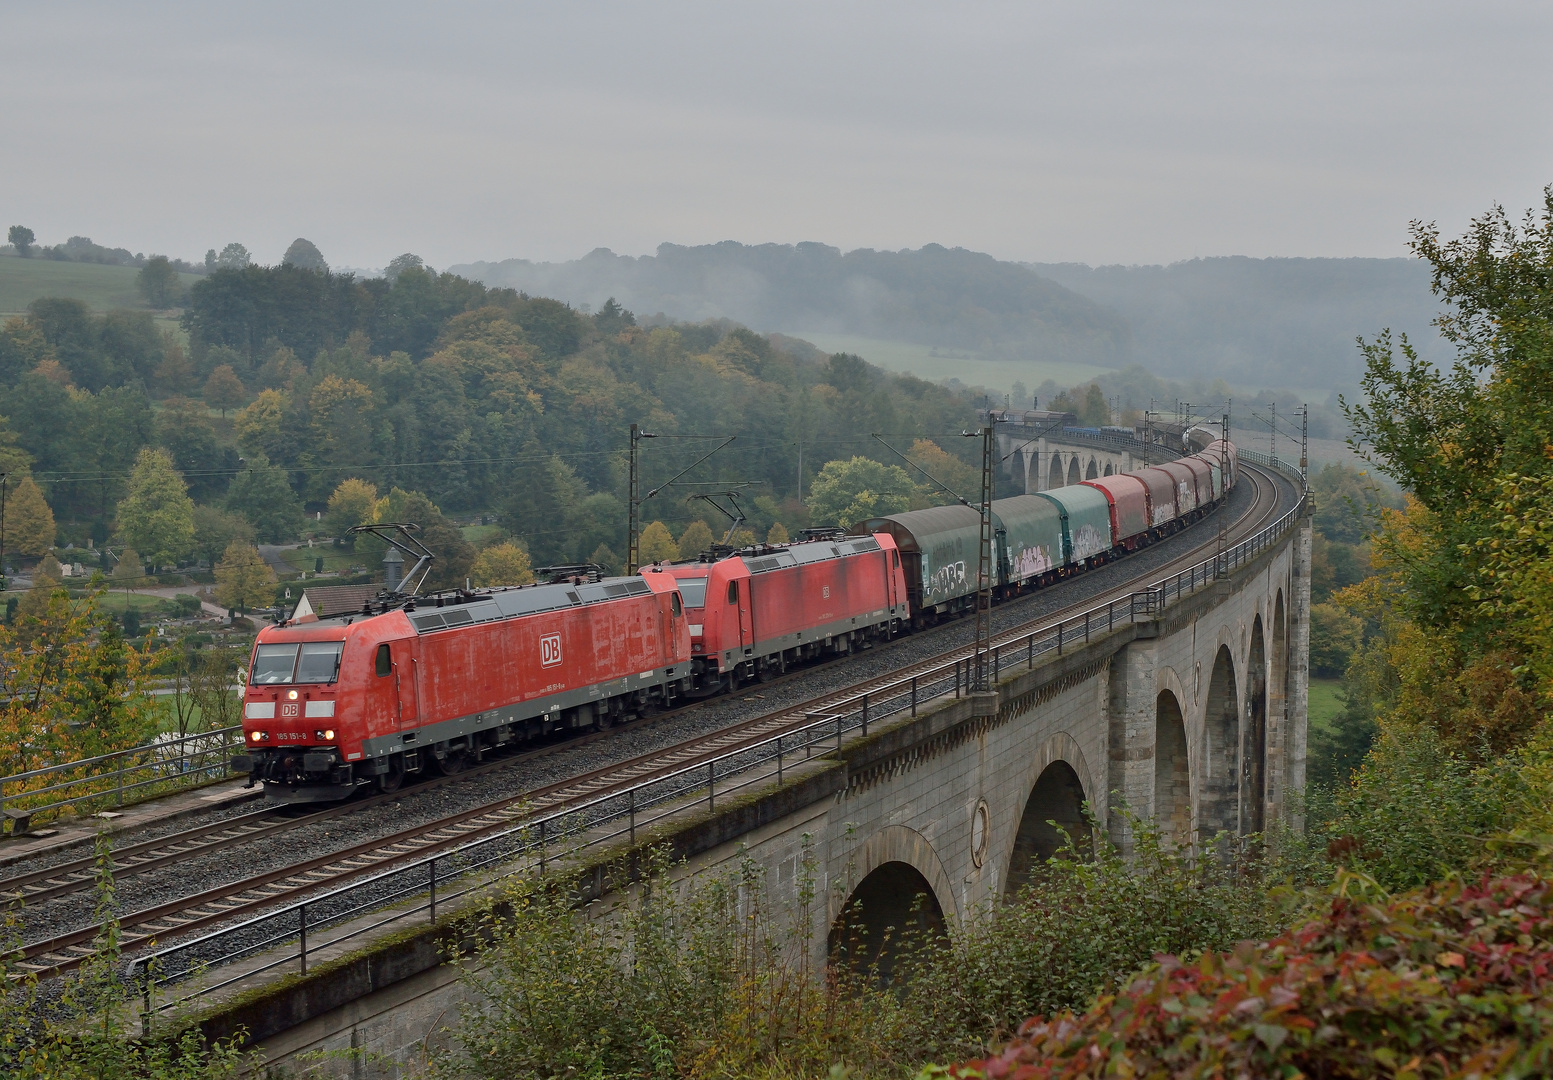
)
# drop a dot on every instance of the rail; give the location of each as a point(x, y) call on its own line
point(541, 840)
point(109, 779)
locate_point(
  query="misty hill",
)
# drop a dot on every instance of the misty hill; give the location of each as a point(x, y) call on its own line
point(1288, 322)
point(943, 297)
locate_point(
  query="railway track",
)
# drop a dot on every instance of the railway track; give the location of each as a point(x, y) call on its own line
point(249, 895)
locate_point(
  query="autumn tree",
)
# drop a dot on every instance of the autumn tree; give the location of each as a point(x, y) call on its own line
point(777, 534)
point(212, 673)
point(29, 521)
point(156, 515)
point(224, 390)
point(350, 505)
point(258, 426)
point(1468, 443)
point(502, 564)
point(215, 528)
point(21, 238)
point(958, 477)
point(696, 538)
point(304, 255)
point(263, 495)
point(605, 559)
point(130, 571)
point(158, 282)
point(243, 579)
point(847, 492)
point(70, 685)
point(657, 544)
point(233, 257)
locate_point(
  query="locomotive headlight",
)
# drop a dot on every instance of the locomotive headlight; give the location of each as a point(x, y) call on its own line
point(291, 695)
point(327, 734)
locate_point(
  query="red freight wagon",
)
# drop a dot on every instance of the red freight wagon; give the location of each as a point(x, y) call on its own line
point(1162, 496)
point(1185, 486)
point(752, 614)
point(334, 701)
point(1219, 450)
point(1202, 476)
point(1129, 499)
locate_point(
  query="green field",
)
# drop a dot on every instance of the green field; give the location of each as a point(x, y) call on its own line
point(101, 287)
point(936, 365)
point(1326, 701)
point(117, 601)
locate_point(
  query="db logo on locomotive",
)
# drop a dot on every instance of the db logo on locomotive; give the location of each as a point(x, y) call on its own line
point(290, 710)
point(550, 650)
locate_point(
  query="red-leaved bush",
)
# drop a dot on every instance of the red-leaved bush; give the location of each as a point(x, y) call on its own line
point(1449, 981)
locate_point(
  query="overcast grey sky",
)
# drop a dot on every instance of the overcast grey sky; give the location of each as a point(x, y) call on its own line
point(1095, 132)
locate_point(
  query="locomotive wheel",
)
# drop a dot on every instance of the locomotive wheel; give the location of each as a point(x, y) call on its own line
point(390, 781)
point(453, 762)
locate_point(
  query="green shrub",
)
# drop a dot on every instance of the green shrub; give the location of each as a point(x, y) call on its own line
point(712, 979)
point(1081, 927)
point(1413, 813)
point(89, 1031)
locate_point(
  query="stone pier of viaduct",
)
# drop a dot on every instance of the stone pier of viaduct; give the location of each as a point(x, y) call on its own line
point(1196, 719)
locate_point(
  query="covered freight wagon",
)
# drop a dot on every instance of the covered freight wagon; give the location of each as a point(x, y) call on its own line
point(1129, 499)
point(1185, 483)
point(1162, 496)
point(1202, 477)
point(1030, 538)
point(938, 549)
point(1086, 521)
point(1219, 450)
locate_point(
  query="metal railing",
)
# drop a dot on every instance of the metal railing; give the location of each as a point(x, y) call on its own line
point(542, 839)
point(112, 779)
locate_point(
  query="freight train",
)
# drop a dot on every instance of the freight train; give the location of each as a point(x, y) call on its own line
point(413, 685)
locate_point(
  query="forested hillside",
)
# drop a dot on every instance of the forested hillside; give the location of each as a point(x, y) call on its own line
point(487, 402)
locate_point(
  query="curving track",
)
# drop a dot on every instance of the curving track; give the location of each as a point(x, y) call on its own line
point(205, 908)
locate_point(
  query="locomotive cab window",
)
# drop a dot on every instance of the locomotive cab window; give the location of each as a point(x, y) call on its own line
point(273, 664)
point(733, 592)
point(385, 664)
point(309, 662)
point(693, 589)
point(320, 661)
point(674, 604)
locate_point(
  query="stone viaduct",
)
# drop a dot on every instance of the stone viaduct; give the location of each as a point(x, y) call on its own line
point(1196, 718)
point(1038, 455)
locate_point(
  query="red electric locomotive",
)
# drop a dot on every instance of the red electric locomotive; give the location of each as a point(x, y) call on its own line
point(753, 613)
point(434, 681)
